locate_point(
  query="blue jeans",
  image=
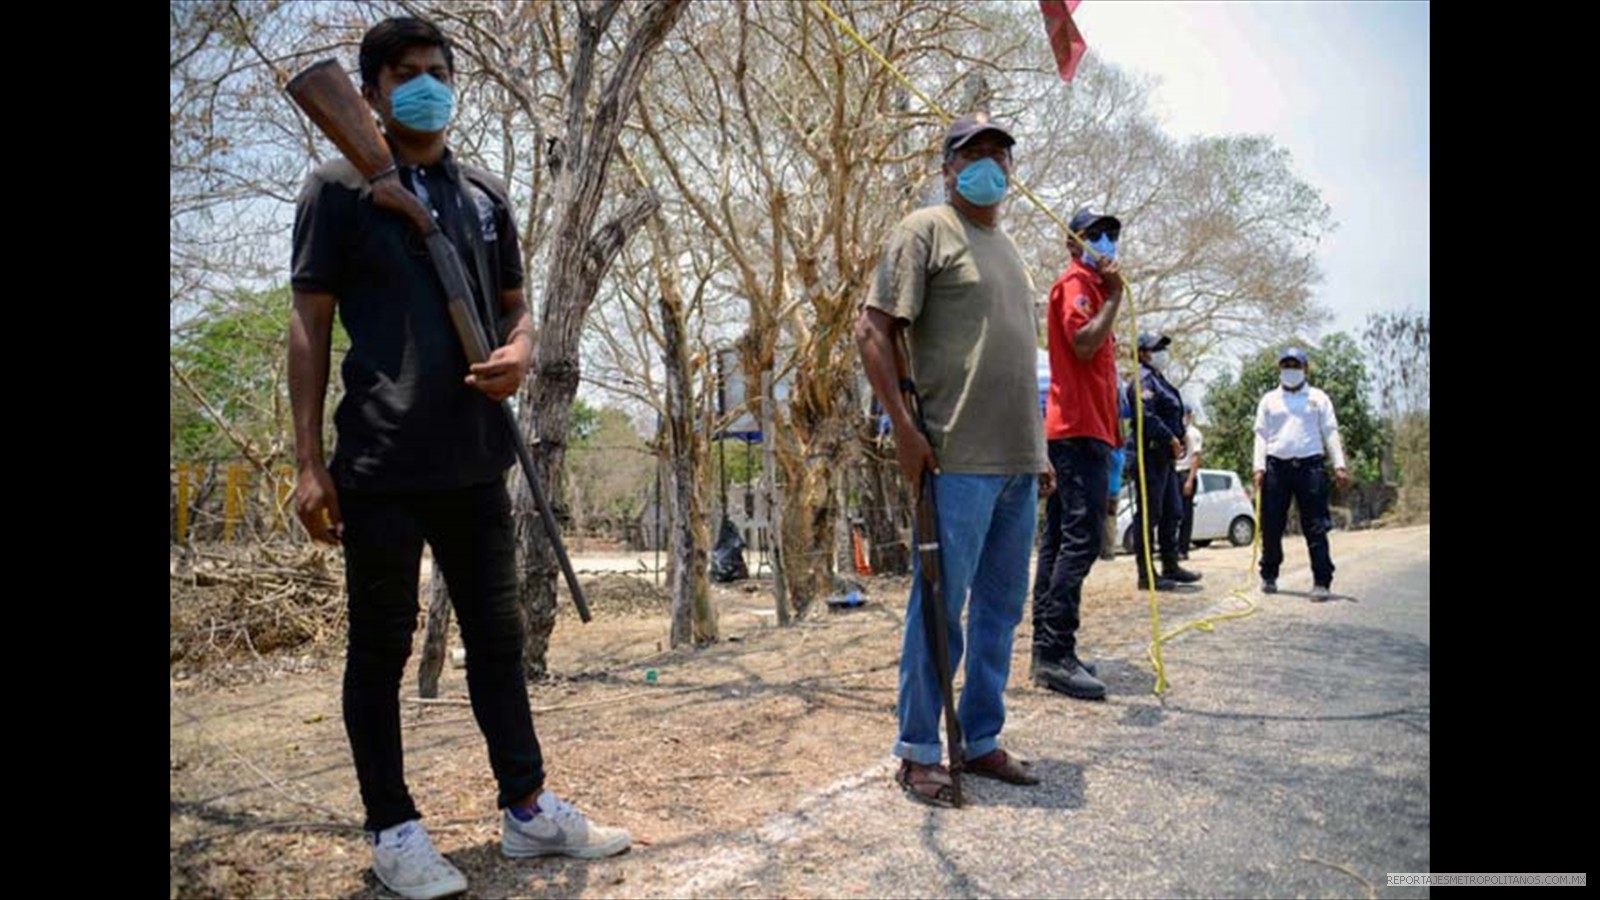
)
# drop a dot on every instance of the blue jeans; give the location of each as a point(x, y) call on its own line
point(986, 530)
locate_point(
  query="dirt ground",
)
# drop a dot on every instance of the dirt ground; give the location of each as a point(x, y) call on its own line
point(263, 795)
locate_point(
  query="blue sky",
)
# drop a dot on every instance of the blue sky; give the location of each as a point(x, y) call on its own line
point(1343, 86)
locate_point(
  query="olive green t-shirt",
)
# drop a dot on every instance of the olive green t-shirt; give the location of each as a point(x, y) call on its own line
point(974, 339)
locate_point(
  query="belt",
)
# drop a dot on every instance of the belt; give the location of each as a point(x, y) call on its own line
point(1297, 462)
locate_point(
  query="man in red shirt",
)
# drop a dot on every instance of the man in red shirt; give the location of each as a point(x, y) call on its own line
point(1081, 430)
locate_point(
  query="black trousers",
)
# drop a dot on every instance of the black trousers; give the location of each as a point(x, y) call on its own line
point(1073, 531)
point(470, 531)
point(1306, 481)
point(1165, 508)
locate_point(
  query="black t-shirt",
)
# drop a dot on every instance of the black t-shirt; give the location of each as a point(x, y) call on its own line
point(408, 421)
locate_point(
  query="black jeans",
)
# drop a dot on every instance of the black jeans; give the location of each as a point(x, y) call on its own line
point(1307, 482)
point(1166, 504)
point(1073, 532)
point(470, 531)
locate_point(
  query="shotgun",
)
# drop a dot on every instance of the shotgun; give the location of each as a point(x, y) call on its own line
point(935, 618)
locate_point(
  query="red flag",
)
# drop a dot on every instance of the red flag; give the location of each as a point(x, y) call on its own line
point(1066, 41)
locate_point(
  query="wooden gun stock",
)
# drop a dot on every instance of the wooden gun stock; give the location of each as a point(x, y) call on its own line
point(326, 94)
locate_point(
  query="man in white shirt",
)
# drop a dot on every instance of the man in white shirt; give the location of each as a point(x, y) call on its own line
point(1188, 469)
point(1295, 424)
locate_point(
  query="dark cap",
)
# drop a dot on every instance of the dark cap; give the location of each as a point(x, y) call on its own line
point(1294, 353)
point(1086, 218)
point(1149, 340)
point(970, 126)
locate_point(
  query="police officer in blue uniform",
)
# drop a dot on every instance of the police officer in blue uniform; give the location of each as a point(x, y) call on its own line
point(1163, 445)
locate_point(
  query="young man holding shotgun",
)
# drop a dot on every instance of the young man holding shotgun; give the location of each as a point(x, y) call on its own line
point(421, 455)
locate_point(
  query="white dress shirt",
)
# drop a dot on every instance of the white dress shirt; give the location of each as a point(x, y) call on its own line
point(1296, 424)
point(1193, 443)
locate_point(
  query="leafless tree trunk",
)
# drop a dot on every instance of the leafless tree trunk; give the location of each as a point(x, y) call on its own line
point(774, 500)
point(693, 618)
point(580, 254)
point(434, 634)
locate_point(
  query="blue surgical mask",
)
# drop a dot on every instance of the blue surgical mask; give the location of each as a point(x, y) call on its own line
point(982, 183)
point(423, 104)
point(1292, 378)
point(1105, 247)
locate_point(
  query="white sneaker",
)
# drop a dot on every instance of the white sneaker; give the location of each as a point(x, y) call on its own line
point(404, 859)
point(559, 830)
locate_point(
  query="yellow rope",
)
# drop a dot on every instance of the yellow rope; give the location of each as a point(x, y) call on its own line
point(1207, 624)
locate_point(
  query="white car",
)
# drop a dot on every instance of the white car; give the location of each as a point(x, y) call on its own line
point(1222, 509)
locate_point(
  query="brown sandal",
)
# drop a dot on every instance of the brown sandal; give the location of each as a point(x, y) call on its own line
point(929, 784)
point(1002, 766)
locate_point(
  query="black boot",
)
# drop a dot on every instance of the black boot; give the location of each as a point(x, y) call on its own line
point(1071, 658)
point(1171, 569)
point(1163, 583)
point(1069, 677)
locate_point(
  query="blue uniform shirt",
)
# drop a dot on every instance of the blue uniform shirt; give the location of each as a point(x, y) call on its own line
point(1163, 411)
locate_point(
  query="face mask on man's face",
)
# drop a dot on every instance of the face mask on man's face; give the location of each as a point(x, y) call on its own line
point(982, 183)
point(423, 104)
point(1292, 378)
point(1159, 359)
point(1104, 249)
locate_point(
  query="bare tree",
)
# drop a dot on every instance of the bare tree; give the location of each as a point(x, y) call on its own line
point(693, 616)
point(579, 256)
point(236, 154)
point(1399, 355)
point(782, 141)
point(654, 322)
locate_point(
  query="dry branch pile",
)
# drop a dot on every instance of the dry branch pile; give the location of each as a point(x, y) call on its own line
point(233, 602)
